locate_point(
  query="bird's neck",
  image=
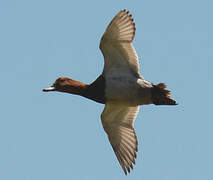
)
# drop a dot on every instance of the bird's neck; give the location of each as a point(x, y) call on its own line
point(94, 91)
point(74, 87)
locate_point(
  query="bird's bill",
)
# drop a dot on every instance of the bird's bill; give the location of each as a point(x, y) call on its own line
point(49, 89)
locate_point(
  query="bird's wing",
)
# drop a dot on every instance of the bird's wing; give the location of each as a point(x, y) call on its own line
point(118, 122)
point(116, 45)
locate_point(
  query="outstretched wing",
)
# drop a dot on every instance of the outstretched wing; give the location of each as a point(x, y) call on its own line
point(118, 122)
point(116, 45)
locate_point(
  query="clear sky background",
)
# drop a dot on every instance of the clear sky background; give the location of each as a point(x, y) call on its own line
point(60, 136)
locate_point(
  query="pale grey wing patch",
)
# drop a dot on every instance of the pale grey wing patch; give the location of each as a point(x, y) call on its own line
point(130, 53)
point(116, 45)
point(118, 123)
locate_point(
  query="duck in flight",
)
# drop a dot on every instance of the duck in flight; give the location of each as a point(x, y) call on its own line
point(120, 87)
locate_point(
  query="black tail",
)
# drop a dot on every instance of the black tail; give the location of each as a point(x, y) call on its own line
point(161, 96)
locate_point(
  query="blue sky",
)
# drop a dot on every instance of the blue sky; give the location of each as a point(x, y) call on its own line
point(60, 136)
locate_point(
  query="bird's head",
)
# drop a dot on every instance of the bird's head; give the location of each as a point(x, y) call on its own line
point(64, 84)
point(59, 84)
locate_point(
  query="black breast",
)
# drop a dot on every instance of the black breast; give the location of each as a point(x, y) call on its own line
point(96, 90)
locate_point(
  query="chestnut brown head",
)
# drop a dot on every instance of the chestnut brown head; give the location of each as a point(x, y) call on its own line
point(64, 84)
point(59, 84)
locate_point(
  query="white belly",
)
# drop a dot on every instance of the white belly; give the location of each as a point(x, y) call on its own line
point(128, 90)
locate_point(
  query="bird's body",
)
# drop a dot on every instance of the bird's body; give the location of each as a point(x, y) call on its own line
point(120, 87)
point(130, 91)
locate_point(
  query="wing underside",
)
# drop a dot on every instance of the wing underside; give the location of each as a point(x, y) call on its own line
point(118, 122)
point(116, 45)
